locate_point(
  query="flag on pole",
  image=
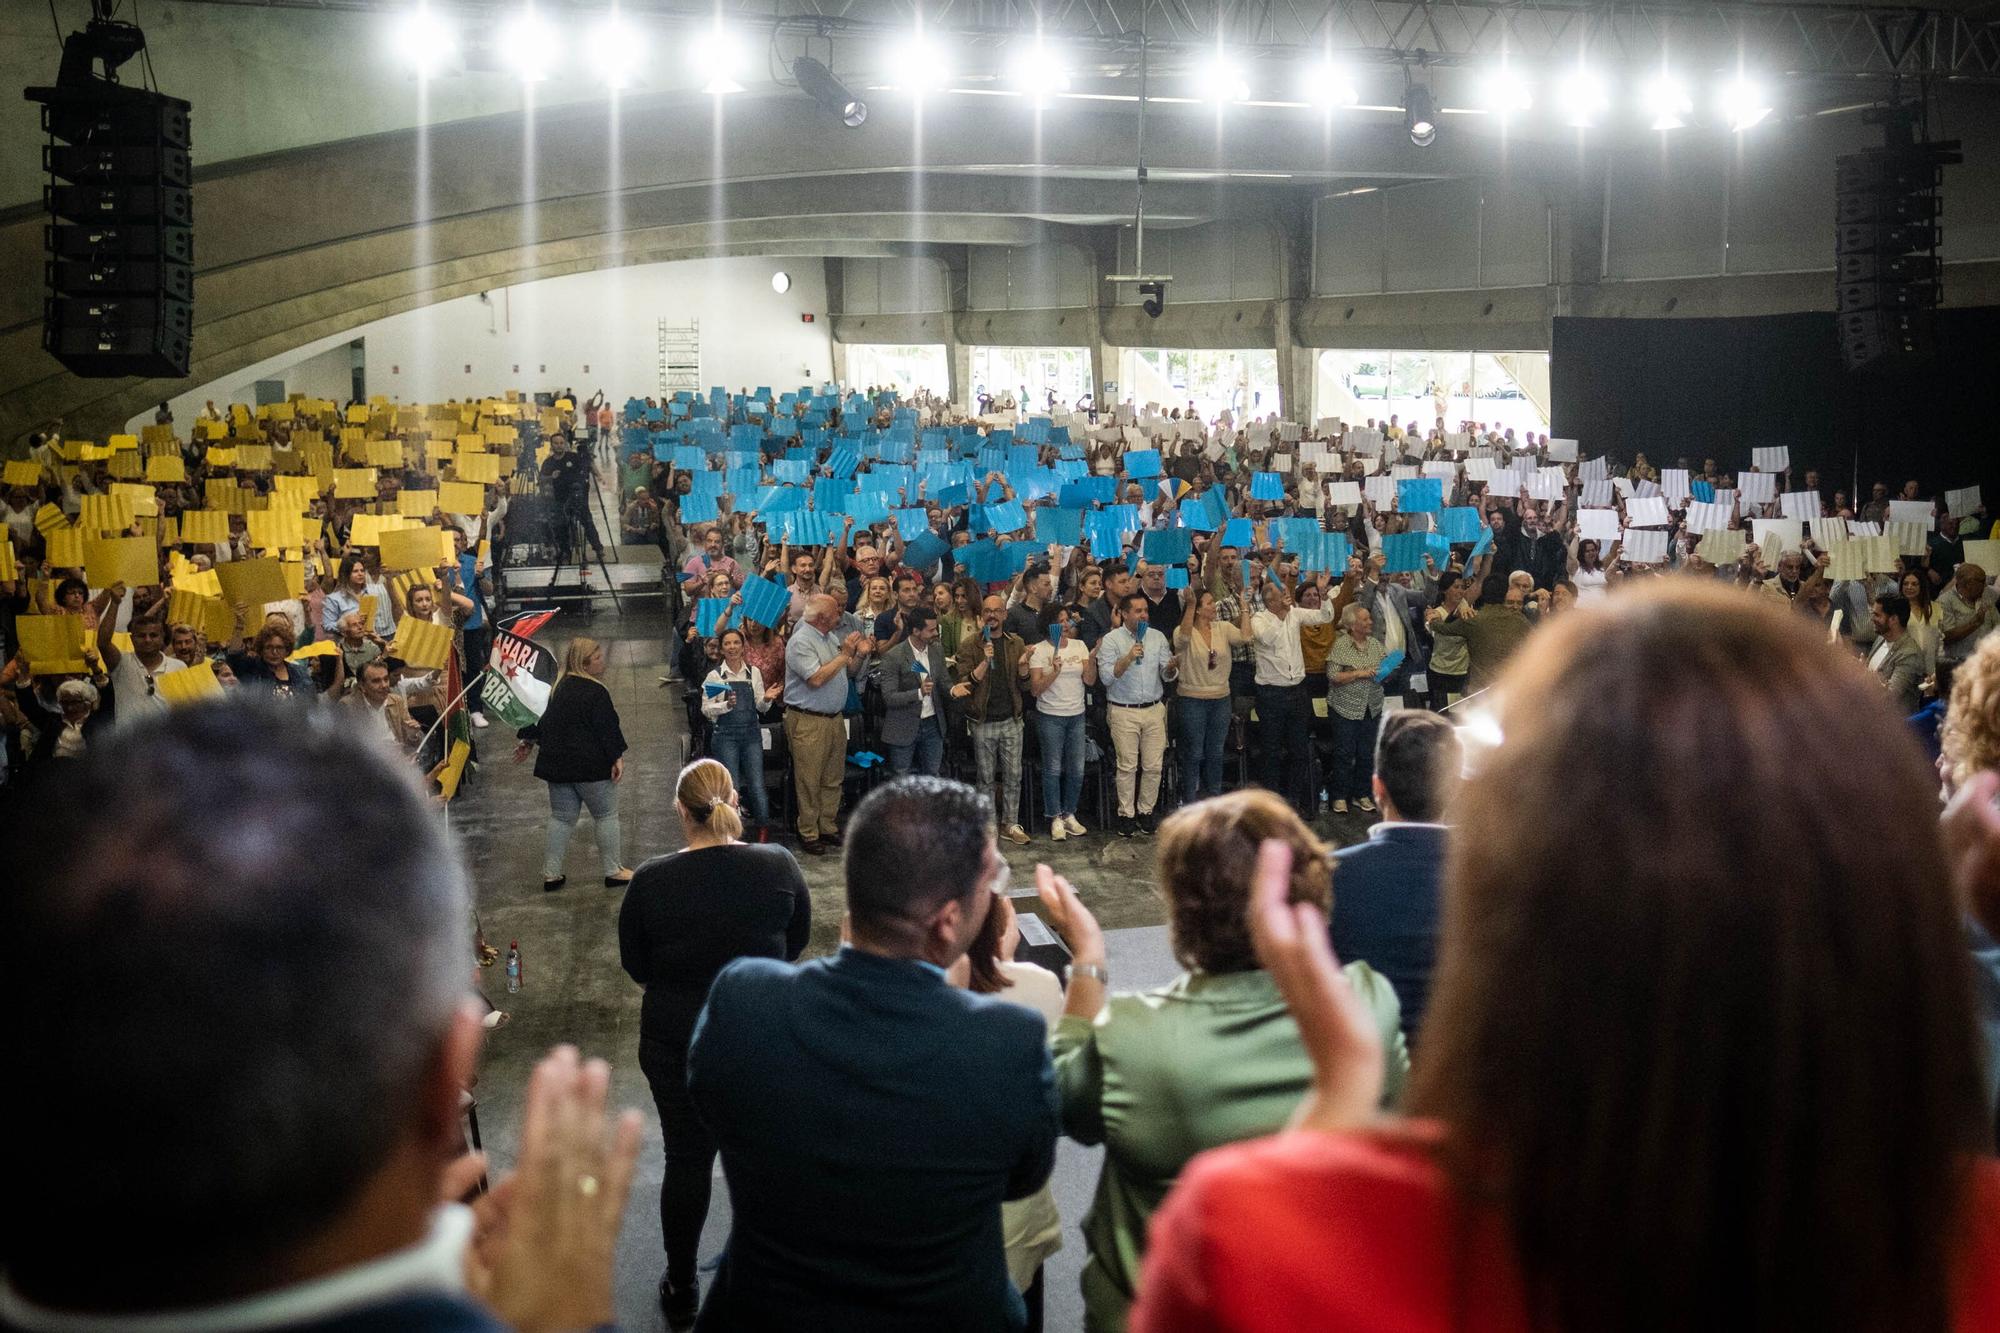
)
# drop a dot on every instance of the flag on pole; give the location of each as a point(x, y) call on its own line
point(519, 672)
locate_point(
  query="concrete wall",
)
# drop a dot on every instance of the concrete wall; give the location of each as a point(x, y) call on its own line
point(606, 321)
point(1432, 236)
point(1218, 261)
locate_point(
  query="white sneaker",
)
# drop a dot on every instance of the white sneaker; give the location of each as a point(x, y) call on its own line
point(1015, 833)
point(1366, 803)
point(1076, 830)
point(1056, 831)
point(479, 720)
point(1340, 807)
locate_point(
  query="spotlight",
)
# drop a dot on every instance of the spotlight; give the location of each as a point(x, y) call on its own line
point(921, 65)
point(1667, 101)
point(528, 45)
point(1329, 84)
point(1154, 298)
point(1037, 71)
point(1507, 92)
point(1222, 79)
point(818, 83)
point(717, 58)
point(617, 48)
point(426, 41)
point(1420, 115)
point(1583, 98)
point(1743, 102)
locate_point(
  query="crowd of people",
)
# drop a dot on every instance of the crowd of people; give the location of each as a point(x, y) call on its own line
point(1517, 1059)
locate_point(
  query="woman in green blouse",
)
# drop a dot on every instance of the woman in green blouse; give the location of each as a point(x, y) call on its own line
point(1211, 1058)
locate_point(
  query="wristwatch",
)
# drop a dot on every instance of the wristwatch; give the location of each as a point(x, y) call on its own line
point(1094, 970)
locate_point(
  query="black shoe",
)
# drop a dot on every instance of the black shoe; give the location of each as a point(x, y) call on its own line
point(813, 847)
point(830, 839)
point(680, 1304)
point(1125, 827)
point(551, 885)
point(1148, 825)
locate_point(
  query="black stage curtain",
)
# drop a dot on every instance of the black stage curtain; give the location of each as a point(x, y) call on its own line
point(1693, 388)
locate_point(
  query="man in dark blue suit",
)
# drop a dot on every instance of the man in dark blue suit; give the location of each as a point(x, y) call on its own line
point(1385, 890)
point(871, 1116)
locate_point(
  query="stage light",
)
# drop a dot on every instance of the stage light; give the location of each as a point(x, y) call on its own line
point(818, 83)
point(1743, 102)
point(1037, 71)
point(1328, 83)
point(616, 49)
point(1221, 79)
point(528, 43)
point(427, 42)
point(1507, 92)
point(1583, 98)
point(1666, 101)
point(781, 282)
point(716, 57)
point(1420, 115)
point(920, 65)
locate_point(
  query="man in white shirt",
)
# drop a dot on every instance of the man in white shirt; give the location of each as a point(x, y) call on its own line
point(135, 675)
point(1284, 710)
point(1966, 612)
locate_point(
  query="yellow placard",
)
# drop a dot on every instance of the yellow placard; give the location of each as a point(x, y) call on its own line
point(253, 458)
point(209, 615)
point(317, 648)
point(357, 415)
point(213, 430)
point(166, 531)
point(133, 561)
point(105, 513)
point(220, 456)
point(166, 468)
point(278, 412)
point(49, 518)
point(385, 453)
point(9, 571)
point(415, 548)
point(416, 504)
point(189, 685)
point(354, 483)
point(462, 497)
point(22, 472)
point(421, 644)
point(64, 547)
point(274, 528)
point(367, 529)
point(53, 644)
point(126, 467)
point(253, 582)
point(295, 578)
point(209, 526)
point(454, 768)
point(145, 502)
point(200, 582)
point(224, 494)
point(477, 467)
point(127, 441)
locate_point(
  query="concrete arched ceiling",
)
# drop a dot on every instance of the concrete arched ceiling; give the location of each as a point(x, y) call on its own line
point(307, 243)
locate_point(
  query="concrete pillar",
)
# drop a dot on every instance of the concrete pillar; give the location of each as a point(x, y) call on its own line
point(836, 306)
point(1297, 366)
point(1104, 357)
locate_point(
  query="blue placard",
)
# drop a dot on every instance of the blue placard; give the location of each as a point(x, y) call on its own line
point(925, 550)
point(1266, 486)
point(709, 616)
point(844, 459)
point(1107, 534)
point(1142, 463)
point(1405, 552)
point(1177, 577)
point(1484, 544)
point(1390, 661)
point(1008, 516)
point(1703, 491)
point(689, 457)
point(1168, 546)
point(1461, 524)
point(912, 523)
point(1195, 515)
point(764, 601)
point(699, 509)
point(868, 508)
point(1064, 527)
point(792, 470)
point(830, 492)
point(1420, 495)
point(1238, 532)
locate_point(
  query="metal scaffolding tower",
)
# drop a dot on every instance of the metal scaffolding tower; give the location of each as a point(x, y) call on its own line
point(680, 357)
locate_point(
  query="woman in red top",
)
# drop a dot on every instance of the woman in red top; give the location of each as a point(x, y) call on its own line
point(1704, 1060)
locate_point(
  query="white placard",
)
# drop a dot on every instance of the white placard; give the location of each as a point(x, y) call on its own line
point(1721, 546)
point(1771, 460)
point(1962, 501)
point(1562, 451)
point(1909, 538)
point(1645, 546)
point(1775, 536)
point(1757, 487)
point(1705, 517)
point(1346, 493)
point(1479, 469)
point(1593, 469)
point(1830, 529)
point(1646, 488)
point(1920, 512)
point(1598, 525)
point(1646, 512)
point(1281, 463)
point(1441, 467)
point(1801, 505)
point(1364, 441)
point(1674, 484)
point(1985, 554)
point(1597, 493)
point(1546, 484)
point(1381, 491)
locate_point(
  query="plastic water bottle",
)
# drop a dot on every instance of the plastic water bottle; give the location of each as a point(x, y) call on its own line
point(513, 967)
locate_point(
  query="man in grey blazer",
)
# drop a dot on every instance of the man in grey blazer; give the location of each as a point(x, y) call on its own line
point(1897, 661)
point(916, 682)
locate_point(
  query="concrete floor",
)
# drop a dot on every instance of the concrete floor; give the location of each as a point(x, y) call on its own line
point(576, 992)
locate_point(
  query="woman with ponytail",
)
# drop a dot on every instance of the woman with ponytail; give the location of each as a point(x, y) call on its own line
point(687, 916)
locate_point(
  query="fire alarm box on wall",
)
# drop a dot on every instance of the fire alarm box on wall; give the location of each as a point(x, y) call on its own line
point(805, 319)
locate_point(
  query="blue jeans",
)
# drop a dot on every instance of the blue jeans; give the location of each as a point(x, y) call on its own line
point(741, 750)
point(566, 801)
point(1203, 727)
point(1353, 757)
point(925, 752)
point(1062, 762)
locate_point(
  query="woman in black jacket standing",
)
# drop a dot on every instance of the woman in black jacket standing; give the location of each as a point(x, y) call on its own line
point(687, 916)
point(582, 760)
